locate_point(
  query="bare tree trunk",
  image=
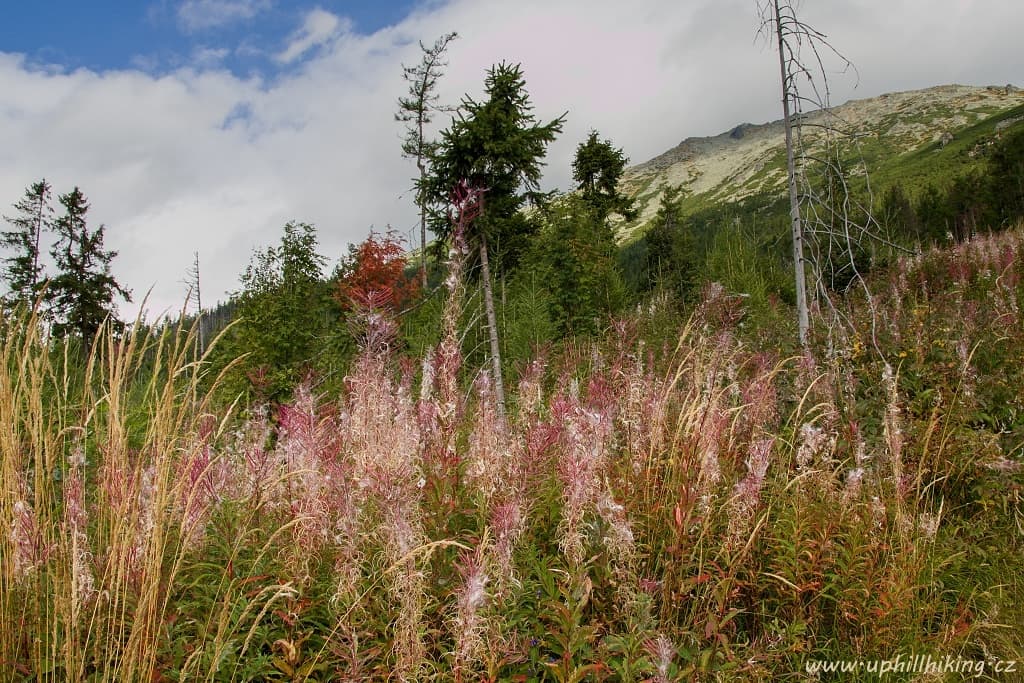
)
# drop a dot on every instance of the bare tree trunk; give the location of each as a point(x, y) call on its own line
point(423, 217)
point(199, 307)
point(794, 202)
point(38, 233)
point(492, 324)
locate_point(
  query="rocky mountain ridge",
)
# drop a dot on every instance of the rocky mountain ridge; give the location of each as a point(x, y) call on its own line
point(749, 159)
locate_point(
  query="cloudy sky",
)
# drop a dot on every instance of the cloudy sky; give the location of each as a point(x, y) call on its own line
point(205, 125)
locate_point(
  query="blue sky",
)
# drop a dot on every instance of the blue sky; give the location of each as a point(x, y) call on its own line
point(205, 125)
point(161, 36)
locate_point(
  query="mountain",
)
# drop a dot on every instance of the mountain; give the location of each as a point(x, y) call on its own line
point(915, 137)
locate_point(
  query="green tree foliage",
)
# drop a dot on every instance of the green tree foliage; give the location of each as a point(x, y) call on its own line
point(898, 216)
point(575, 256)
point(498, 145)
point(416, 111)
point(934, 213)
point(284, 309)
point(596, 168)
point(527, 323)
point(82, 293)
point(743, 263)
point(1006, 168)
point(671, 248)
point(969, 204)
point(22, 270)
point(978, 200)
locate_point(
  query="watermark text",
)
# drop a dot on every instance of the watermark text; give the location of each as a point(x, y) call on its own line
point(915, 664)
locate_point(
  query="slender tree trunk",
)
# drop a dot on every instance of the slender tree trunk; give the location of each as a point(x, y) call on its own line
point(35, 244)
point(794, 202)
point(423, 212)
point(492, 324)
point(199, 311)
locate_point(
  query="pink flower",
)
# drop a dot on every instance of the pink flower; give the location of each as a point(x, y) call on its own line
point(468, 623)
point(83, 587)
point(581, 462)
point(507, 524)
point(661, 652)
point(747, 492)
point(26, 540)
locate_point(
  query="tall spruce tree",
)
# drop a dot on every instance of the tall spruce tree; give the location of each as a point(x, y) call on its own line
point(22, 269)
point(83, 291)
point(496, 145)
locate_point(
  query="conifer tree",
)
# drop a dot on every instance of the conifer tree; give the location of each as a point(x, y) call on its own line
point(597, 167)
point(83, 291)
point(671, 248)
point(283, 308)
point(1006, 169)
point(23, 270)
point(498, 146)
point(576, 258)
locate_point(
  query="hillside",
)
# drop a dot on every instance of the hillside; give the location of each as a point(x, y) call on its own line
point(915, 136)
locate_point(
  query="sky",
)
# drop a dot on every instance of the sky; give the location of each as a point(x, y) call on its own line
point(206, 125)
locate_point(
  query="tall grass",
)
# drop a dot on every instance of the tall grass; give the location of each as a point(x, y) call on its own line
point(93, 453)
point(700, 511)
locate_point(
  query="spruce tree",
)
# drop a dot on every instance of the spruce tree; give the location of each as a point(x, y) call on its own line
point(22, 270)
point(83, 291)
point(671, 247)
point(597, 167)
point(497, 146)
point(284, 308)
point(576, 258)
point(1006, 169)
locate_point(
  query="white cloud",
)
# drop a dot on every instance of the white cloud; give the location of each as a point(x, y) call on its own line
point(202, 160)
point(205, 57)
point(200, 15)
point(318, 27)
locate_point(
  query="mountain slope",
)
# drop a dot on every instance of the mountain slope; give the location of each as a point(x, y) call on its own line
point(914, 136)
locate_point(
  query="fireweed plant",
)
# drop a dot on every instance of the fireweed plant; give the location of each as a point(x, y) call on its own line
point(699, 510)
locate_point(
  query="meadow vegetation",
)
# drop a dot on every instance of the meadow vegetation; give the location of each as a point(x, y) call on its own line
point(683, 497)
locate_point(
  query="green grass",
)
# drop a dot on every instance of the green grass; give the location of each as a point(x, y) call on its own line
point(934, 164)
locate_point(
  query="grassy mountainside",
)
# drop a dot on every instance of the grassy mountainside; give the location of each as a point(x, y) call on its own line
point(914, 137)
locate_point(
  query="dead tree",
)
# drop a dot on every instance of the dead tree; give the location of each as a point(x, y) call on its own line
point(830, 227)
point(416, 111)
point(194, 291)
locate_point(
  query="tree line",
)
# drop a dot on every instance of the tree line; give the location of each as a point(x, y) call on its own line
point(544, 267)
point(81, 291)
